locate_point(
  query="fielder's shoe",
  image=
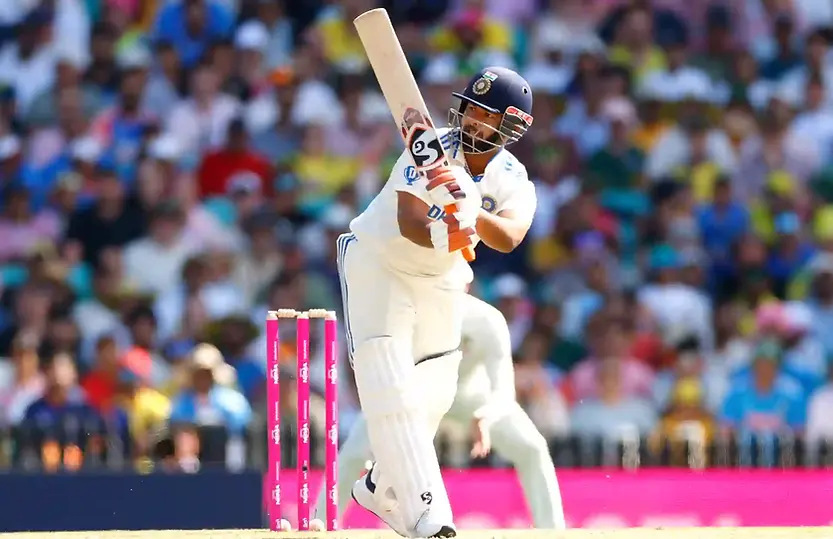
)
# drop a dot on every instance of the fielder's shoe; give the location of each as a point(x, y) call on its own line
point(364, 493)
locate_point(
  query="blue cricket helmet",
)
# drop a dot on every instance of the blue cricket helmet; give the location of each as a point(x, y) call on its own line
point(500, 91)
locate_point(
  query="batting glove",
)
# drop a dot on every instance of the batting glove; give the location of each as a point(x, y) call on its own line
point(450, 185)
point(453, 232)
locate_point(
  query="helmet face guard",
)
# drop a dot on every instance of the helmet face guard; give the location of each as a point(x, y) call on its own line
point(475, 136)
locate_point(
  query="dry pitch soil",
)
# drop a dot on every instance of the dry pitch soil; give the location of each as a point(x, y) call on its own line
point(632, 533)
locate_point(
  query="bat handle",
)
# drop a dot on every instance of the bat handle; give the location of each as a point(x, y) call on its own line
point(468, 252)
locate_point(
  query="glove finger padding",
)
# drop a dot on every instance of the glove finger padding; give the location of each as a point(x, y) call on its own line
point(459, 219)
point(450, 185)
point(440, 176)
point(461, 239)
point(447, 236)
point(439, 235)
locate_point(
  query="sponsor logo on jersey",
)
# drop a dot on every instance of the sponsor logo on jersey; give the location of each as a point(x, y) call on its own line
point(411, 174)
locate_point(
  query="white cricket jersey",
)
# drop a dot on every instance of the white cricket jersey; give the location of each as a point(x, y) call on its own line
point(504, 186)
point(486, 368)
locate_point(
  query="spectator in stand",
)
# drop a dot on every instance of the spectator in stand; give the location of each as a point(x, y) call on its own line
point(62, 398)
point(819, 420)
point(21, 228)
point(768, 402)
point(23, 383)
point(207, 402)
point(147, 409)
point(154, 262)
point(191, 25)
point(28, 65)
point(200, 122)
point(686, 422)
point(220, 166)
point(31, 304)
point(10, 159)
point(612, 413)
point(99, 384)
point(608, 342)
point(689, 365)
point(537, 389)
point(113, 221)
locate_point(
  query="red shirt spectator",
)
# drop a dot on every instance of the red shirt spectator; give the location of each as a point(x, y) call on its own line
point(100, 383)
point(236, 157)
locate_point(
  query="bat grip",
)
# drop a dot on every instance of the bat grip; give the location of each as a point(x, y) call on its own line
point(468, 252)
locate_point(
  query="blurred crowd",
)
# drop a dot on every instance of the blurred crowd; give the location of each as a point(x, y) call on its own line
point(170, 169)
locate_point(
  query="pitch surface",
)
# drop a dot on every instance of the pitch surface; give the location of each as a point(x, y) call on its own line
point(633, 533)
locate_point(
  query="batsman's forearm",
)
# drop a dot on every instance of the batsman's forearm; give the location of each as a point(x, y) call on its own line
point(416, 232)
point(500, 233)
point(412, 218)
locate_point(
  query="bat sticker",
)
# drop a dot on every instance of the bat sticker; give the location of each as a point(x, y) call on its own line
point(421, 140)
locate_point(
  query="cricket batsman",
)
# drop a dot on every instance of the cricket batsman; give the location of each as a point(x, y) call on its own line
point(486, 400)
point(403, 283)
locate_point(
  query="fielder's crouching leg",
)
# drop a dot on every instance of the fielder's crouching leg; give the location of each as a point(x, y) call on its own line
point(437, 376)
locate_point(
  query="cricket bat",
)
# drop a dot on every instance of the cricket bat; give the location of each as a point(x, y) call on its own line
point(403, 96)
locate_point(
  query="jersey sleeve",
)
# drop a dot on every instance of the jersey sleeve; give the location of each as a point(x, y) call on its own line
point(405, 178)
point(523, 201)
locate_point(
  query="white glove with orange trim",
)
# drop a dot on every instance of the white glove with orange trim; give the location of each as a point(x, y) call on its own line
point(452, 185)
point(454, 232)
point(453, 189)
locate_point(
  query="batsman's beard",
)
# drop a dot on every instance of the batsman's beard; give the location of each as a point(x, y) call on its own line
point(475, 144)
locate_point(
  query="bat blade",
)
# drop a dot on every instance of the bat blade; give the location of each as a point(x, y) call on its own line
point(402, 94)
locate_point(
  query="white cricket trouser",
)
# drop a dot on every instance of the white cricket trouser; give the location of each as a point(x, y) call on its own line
point(514, 437)
point(393, 320)
point(380, 301)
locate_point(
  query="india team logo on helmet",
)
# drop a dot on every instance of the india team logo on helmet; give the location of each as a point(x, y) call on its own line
point(481, 86)
point(484, 83)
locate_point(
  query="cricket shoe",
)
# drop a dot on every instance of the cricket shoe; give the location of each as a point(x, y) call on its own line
point(426, 527)
point(364, 493)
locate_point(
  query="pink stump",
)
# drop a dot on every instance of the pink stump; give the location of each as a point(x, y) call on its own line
point(273, 418)
point(331, 396)
point(302, 332)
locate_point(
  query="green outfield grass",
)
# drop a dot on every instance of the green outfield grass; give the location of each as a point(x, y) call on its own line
point(634, 533)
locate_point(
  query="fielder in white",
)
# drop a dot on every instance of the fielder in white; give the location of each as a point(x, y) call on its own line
point(486, 399)
point(403, 286)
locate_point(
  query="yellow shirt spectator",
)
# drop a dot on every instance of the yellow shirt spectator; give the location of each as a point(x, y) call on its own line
point(321, 174)
point(703, 178)
point(799, 287)
point(148, 410)
point(324, 176)
point(646, 136)
point(747, 324)
point(653, 60)
point(494, 36)
point(548, 253)
point(339, 39)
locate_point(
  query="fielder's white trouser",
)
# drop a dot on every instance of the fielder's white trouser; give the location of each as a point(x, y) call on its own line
point(393, 320)
point(514, 437)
